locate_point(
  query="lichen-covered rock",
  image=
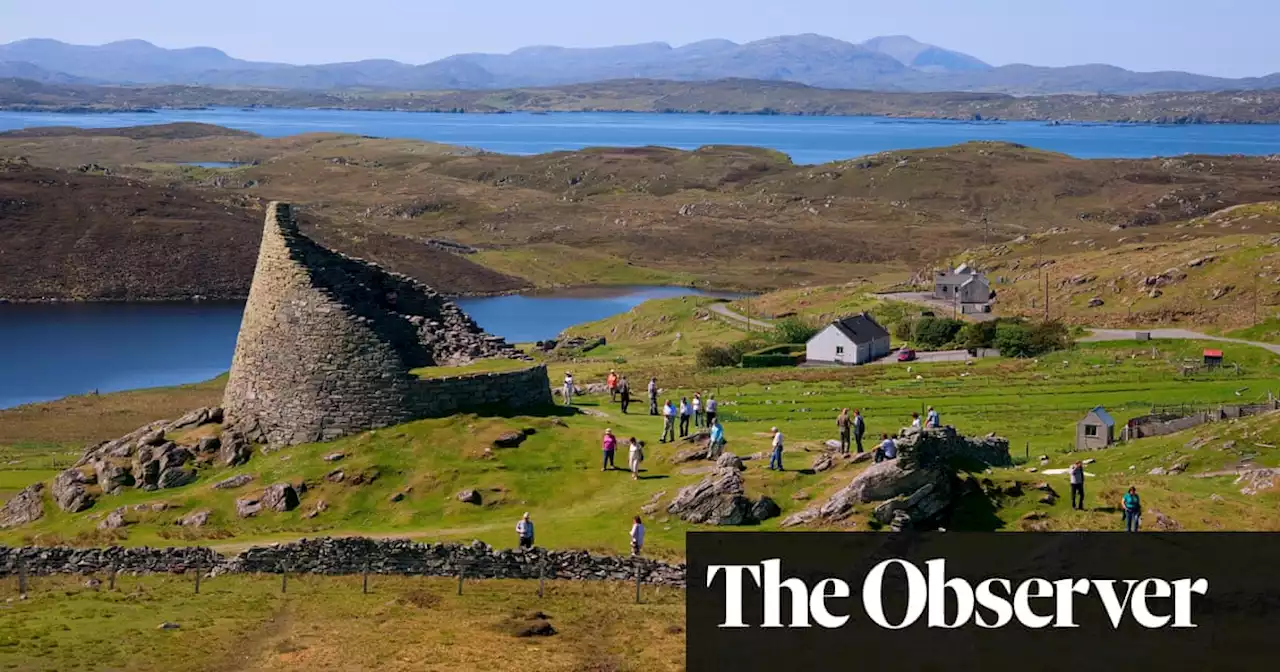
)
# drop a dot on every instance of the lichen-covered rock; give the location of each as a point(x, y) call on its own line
point(175, 477)
point(69, 491)
point(280, 497)
point(233, 482)
point(730, 461)
point(469, 497)
point(823, 462)
point(197, 518)
point(172, 455)
point(114, 520)
point(718, 499)
point(208, 445)
point(249, 506)
point(235, 448)
point(765, 508)
point(112, 478)
point(25, 507)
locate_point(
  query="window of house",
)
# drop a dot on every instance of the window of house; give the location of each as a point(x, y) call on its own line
point(839, 349)
point(1090, 430)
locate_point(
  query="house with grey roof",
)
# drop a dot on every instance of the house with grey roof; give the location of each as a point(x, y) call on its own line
point(856, 339)
point(1096, 430)
point(964, 286)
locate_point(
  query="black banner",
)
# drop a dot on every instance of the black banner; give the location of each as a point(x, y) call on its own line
point(994, 601)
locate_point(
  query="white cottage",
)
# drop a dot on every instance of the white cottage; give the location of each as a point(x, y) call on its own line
point(857, 339)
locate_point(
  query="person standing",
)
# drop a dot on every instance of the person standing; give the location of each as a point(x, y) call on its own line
point(668, 421)
point(775, 457)
point(915, 421)
point(567, 391)
point(612, 383)
point(712, 408)
point(716, 443)
point(887, 450)
point(635, 455)
point(1077, 485)
point(686, 412)
point(859, 428)
point(624, 394)
point(653, 396)
point(698, 420)
point(609, 444)
point(524, 530)
point(845, 424)
point(637, 536)
point(1132, 510)
point(932, 419)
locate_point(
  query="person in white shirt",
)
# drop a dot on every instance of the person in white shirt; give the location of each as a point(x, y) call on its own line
point(669, 413)
point(887, 450)
point(686, 412)
point(775, 457)
point(932, 420)
point(567, 392)
point(524, 529)
point(698, 420)
point(634, 457)
point(915, 421)
point(637, 536)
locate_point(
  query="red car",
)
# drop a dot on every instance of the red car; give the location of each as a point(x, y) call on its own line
point(906, 355)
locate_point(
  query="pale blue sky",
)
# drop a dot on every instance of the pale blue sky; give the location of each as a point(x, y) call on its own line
point(1219, 37)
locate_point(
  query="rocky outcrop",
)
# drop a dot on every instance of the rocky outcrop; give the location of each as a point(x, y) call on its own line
point(720, 498)
point(280, 497)
point(469, 497)
point(233, 482)
point(114, 520)
point(112, 478)
point(234, 448)
point(69, 491)
point(918, 488)
point(196, 518)
point(175, 477)
point(349, 555)
point(25, 507)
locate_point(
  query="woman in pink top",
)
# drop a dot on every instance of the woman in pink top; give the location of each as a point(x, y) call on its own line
point(610, 443)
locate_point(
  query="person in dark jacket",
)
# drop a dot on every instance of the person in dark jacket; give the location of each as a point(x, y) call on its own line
point(1132, 510)
point(859, 428)
point(1077, 485)
point(624, 394)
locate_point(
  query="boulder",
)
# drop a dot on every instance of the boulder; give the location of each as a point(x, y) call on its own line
point(730, 461)
point(175, 477)
point(25, 507)
point(153, 437)
point(925, 504)
point(280, 497)
point(765, 508)
point(112, 478)
point(208, 445)
point(172, 455)
point(833, 444)
point(114, 520)
point(1164, 523)
point(195, 518)
point(69, 491)
point(199, 416)
point(334, 457)
point(235, 448)
point(509, 439)
point(335, 476)
point(469, 497)
point(717, 499)
point(320, 507)
point(690, 455)
point(698, 437)
point(247, 507)
point(146, 471)
point(233, 482)
point(824, 461)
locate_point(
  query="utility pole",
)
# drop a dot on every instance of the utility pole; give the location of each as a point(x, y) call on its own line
point(1255, 298)
point(1046, 296)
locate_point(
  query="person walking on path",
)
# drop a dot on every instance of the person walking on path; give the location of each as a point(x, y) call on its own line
point(716, 443)
point(624, 394)
point(1077, 485)
point(932, 420)
point(698, 419)
point(637, 536)
point(712, 407)
point(609, 444)
point(1132, 510)
point(915, 422)
point(567, 392)
point(653, 396)
point(887, 450)
point(668, 421)
point(859, 428)
point(635, 455)
point(612, 383)
point(845, 424)
point(524, 530)
point(686, 412)
point(775, 457)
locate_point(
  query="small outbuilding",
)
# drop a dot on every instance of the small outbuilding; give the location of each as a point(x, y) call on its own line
point(856, 339)
point(1096, 430)
point(1212, 359)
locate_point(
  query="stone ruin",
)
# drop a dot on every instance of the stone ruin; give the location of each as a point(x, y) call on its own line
point(917, 489)
point(328, 341)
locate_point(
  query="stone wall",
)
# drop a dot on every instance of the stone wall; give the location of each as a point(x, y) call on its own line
point(327, 342)
point(347, 555)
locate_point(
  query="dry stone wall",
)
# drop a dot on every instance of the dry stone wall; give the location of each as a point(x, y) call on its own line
point(327, 343)
point(347, 555)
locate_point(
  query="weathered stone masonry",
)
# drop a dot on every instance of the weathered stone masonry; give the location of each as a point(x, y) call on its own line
point(347, 556)
point(327, 342)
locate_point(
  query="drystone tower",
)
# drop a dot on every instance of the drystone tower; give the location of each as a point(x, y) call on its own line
point(328, 341)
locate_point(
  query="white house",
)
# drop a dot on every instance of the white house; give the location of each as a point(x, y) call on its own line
point(964, 286)
point(857, 339)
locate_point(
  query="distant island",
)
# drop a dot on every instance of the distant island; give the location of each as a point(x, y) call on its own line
point(726, 96)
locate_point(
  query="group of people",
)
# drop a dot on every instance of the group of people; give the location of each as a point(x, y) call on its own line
point(635, 453)
point(524, 533)
point(673, 416)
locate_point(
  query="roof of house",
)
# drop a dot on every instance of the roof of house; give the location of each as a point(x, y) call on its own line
point(861, 328)
point(1103, 415)
point(949, 278)
point(1213, 353)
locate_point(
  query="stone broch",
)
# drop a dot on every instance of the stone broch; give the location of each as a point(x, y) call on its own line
point(328, 341)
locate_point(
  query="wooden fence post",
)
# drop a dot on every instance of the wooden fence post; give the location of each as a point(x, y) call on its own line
point(637, 583)
point(364, 588)
point(111, 577)
point(197, 577)
point(462, 569)
point(22, 579)
point(542, 577)
point(284, 578)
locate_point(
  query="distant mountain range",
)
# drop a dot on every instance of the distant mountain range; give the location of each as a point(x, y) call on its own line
point(895, 63)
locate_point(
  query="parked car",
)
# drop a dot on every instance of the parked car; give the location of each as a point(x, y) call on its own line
point(906, 355)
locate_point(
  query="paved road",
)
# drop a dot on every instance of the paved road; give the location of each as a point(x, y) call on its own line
point(1170, 334)
point(740, 320)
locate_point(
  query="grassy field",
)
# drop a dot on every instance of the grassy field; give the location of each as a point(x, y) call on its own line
point(241, 622)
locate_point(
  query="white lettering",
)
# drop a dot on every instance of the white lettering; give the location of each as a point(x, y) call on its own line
point(938, 587)
point(1107, 592)
point(818, 602)
point(772, 586)
point(1141, 612)
point(917, 594)
point(732, 590)
point(1022, 602)
point(1066, 590)
point(1182, 590)
point(988, 599)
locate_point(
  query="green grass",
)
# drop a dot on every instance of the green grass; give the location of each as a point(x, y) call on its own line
point(491, 365)
point(243, 622)
point(1267, 331)
point(551, 265)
